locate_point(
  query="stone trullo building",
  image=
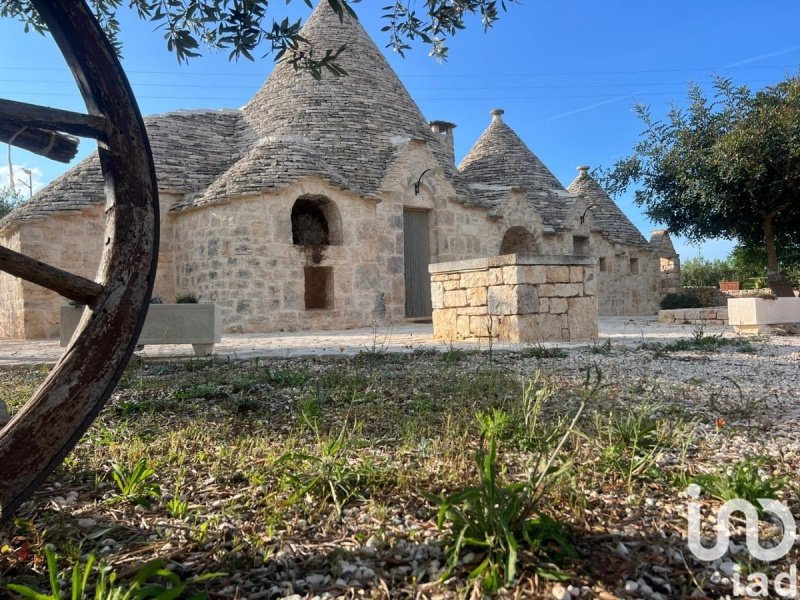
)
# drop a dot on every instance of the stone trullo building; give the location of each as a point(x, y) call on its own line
point(300, 210)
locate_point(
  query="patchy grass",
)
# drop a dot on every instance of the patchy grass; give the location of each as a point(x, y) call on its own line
point(326, 476)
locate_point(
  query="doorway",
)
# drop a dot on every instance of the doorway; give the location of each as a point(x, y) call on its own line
point(416, 258)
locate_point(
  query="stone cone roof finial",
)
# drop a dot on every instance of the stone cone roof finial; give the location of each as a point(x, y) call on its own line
point(606, 215)
point(497, 114)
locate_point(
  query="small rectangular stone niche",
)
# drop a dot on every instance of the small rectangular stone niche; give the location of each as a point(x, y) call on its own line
point(603, 265)
point(318, 287)
point(634, 266)
point(580, 245)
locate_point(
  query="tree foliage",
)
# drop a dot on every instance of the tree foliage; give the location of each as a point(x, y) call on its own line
point(699, 271)
point(724, 167)
point(242, 26)
point(9, 200)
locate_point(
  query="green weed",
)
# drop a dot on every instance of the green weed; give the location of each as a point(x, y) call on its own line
point(497, 520)
point(742, 479)
point(327, 475)
point(99, 582)
point(287, 378)
point(135, 484)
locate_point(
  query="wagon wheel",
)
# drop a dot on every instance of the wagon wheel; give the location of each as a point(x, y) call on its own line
point(36, 440)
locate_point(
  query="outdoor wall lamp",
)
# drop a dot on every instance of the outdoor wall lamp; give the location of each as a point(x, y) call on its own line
point(419, 182)
point(583, 216)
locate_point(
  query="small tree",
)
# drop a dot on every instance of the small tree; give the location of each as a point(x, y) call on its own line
point(699, 271)
point(729, 167)
point(9, 200)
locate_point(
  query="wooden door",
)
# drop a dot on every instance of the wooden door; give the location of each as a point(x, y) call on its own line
point(417, 257)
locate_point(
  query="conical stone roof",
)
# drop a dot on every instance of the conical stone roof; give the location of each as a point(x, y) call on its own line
point(352, 121)
point(501, 158)
point(606, 215)
point(190, 150)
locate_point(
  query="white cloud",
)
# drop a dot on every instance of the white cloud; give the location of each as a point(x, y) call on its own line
point(21, 178)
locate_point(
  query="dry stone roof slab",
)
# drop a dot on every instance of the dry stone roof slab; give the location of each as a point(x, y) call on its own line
point(270, 164)
point(606, 215)
point(190, 150)
point(500, 157)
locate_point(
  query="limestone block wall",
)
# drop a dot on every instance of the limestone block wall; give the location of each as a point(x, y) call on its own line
point(628, 277)
point(70, 241)
point(11, 299)
point(716, 315)
point(73, 242)
point(515, 298)
point(241, 255)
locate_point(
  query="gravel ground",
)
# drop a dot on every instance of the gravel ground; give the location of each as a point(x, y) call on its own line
point(733, 402)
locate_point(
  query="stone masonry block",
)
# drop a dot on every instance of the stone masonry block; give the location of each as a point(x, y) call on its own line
point(582, 318)
point(531, 274)
point(462, 327)
point(444, 324)
point(540, 328)
point(576, 274)
point(475, 279)
point(501, 300)
point(590, 283)
point(512, 299)
point(544, 305)
point(527, 299)
point(437, 295)
point(473, 311)
point(450, 284)
point(567, 290)
point(476, 296)
point(558, 306)
point(557, 274)
point(495, 276)
point(455, 298)
point(506, 329)
point(479, 326)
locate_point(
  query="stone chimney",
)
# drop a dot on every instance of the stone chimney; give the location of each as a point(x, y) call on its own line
point(583, 171)
point(444, 130)
point(497, 114)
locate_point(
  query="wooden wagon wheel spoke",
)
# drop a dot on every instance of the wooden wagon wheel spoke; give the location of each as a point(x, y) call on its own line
point(41, 129)
point(41, 433)
point(73, 287)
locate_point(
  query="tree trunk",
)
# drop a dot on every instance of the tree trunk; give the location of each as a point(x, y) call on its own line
point(769, 242)
point(778, 283)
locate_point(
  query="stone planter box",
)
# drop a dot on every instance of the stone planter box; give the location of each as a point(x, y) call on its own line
point(759, 315)
point(730, 286)
point(196, 324)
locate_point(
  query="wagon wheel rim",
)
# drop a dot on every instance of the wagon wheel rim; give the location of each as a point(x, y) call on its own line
point(49, 425)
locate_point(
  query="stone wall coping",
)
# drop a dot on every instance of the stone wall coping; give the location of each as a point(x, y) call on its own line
point(507, 260)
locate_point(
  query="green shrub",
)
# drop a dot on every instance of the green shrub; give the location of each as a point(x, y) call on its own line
point(672, 301)
point(186, 299)
point(702, 272)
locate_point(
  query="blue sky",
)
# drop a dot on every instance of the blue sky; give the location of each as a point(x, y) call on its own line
point(567, 73)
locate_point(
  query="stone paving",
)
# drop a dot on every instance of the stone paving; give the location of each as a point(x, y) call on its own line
point(398, 338)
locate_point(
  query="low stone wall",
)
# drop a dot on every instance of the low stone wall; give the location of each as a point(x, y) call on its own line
point(708, 295)
point(711, 296)
point(715, 315)
point(515, 298)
